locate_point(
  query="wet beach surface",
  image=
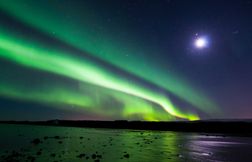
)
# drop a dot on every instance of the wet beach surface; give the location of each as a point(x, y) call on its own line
point(64, 144)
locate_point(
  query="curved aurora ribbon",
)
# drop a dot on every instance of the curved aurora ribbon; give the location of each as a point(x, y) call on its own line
point(61, 63)
point(82, 32)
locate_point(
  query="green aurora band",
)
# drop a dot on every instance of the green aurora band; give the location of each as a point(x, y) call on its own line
point(79, 27)
point(58, 62)
point(86, 100)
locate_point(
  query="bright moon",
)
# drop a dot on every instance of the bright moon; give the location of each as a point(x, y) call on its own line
point(200, 42)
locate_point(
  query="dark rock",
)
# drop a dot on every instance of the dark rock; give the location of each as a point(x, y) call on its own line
point(93, 156)
point(56, 137)
point(36, 141)
point(81, 155)
point(99, 156)
point(126, 156)
point(53, 155)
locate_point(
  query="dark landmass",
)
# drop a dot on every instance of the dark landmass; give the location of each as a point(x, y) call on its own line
point(226, 127)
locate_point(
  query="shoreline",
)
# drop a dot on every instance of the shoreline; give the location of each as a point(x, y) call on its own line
point(223, 128)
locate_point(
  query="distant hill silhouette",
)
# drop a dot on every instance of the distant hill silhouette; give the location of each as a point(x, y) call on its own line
point(228, 127)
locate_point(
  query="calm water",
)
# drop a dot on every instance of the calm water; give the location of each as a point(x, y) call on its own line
point(55, 144)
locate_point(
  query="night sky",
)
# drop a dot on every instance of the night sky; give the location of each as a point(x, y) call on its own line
point(125, 59)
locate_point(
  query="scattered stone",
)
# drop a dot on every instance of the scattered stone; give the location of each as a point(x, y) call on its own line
point(36, 141)
point(56, 137)
point(126, 155)
point(53, 155)
point(99, 156)
point(93, 156)
point(180, 156)
point(81, 155)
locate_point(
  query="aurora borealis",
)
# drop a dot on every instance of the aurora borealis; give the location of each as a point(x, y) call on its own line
point(88, 58)
point(82, 71)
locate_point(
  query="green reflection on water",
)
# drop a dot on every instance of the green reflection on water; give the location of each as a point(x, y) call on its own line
point(111, 144)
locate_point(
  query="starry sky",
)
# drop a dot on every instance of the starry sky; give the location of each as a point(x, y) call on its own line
point(156, 60)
